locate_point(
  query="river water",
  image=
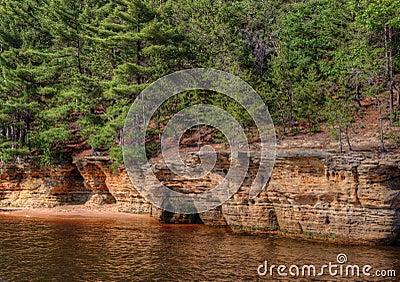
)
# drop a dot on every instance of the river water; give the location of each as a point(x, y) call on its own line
point(141, 249)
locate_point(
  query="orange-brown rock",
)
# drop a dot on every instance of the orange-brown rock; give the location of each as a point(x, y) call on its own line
point(350, 197)
point(100, 177)
point(353, 197)
point(29, 186)
point(313, 194)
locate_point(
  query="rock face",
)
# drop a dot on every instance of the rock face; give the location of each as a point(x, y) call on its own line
point(89, 181)
point(27, 186)
point(351, 198)
point(111, 186)
point(311, 194)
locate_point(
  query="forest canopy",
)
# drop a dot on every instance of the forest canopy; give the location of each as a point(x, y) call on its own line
point(70, 69)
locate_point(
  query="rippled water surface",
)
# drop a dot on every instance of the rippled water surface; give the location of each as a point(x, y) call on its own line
point(141, 249)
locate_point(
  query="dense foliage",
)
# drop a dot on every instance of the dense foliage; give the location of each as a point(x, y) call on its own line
point(69, 69)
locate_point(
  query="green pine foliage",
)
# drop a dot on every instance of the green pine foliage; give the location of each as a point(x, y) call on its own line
point(69, 70)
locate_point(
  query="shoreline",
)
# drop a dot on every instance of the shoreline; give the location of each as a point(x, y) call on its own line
point(75, 211)
point(110, 211)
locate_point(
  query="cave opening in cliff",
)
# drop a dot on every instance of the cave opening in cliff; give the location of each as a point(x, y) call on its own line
point(170, 217)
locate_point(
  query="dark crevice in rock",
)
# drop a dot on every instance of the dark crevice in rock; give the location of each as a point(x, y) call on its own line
point(95, 184)
point(356, 201)
point(72, 191)
point(174, 218)
point(327, 220)
point(299, 228)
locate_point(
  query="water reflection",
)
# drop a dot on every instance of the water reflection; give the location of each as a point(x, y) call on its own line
point(138, 249)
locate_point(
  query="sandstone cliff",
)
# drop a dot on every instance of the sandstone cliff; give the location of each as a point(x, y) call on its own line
point(325, 196)
point(111, 186)
point(312, 194)
point(28, 186)
point(89, 181)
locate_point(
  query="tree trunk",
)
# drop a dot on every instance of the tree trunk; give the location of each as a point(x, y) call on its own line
point(391, 104)
point(358, 96)
point(198, 137)
point(121, 137)
point(78, 48)
point(78, 57)
point(340, 134)
point(27, 127)
point(12, 132)
point(386, 53)
point(291, 117)
point(348, 138)
point(340, 139)
point(283, 122)
point(389, 69)
point(398, 98)
point(138, 50)
point(381, 127)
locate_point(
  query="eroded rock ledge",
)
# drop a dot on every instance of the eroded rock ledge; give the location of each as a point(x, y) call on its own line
point(325, 196)
point(312, 194)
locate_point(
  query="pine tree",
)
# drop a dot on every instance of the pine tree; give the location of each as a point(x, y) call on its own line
point(309, 33)
point(141, 47)
point(382, 17)
point(23, 62)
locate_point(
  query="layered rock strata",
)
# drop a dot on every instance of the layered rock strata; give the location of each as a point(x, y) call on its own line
point(28, 186)
point(311, 194)
point(113, 185)
point(321, 195)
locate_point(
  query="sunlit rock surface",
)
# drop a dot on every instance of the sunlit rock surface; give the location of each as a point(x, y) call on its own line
point(27, 186)
point(100, 177)
point(316, 194)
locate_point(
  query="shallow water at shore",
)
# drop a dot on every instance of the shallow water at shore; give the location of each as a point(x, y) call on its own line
point(137, 248)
